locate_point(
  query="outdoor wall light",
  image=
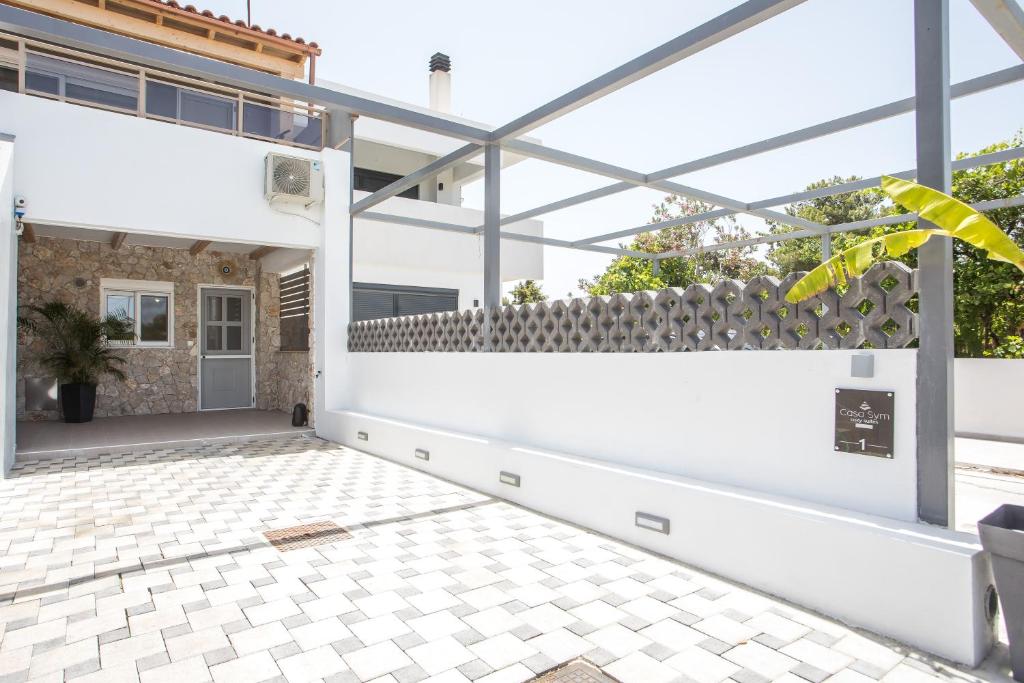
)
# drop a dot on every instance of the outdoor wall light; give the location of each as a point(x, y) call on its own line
point(652, 522)
point(422, 454)
point(363, 436)
point(509, 478)
point(862, 365)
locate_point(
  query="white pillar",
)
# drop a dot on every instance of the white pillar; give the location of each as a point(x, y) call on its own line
point(8, 305)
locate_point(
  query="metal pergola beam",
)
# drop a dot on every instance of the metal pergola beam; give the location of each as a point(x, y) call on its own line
point(637, 179)
point(513, 236)
point(1007, 18)
point(41, 27)
point(935, 429)
point(852, 186)
point(736, 20)
point(855, 226)
point(439, 165)
point(971, 86)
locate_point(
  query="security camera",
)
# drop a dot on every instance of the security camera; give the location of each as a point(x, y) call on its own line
point(20, 202)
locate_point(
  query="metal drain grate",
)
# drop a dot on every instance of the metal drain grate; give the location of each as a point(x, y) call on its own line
point(306, 535)
point(577, 672)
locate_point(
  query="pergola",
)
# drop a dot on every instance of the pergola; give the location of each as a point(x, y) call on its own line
point(930, 104)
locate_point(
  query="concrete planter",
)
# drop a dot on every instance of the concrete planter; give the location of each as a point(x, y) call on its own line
point(1002, 535)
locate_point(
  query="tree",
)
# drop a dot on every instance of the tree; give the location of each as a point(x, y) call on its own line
point(861, 205)
point(633, 273)
point(527, 292)
point(988, 296)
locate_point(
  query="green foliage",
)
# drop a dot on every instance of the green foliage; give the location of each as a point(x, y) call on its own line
point(989, 296)
point(77, 343)
point(634, 274)
point(527, 292)
point(952, 218)
point(1012, 347)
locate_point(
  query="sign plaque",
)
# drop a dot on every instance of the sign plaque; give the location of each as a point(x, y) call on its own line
point(864, 422)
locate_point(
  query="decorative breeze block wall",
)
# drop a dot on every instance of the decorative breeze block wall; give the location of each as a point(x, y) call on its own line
point(731, 315)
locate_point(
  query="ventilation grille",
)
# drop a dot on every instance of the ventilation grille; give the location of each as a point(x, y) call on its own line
point(291, 176)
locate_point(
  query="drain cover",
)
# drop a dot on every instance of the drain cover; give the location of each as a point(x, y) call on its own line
point(306, 535)
point(577, 672)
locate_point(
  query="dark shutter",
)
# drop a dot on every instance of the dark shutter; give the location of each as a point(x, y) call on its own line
point(373, 301)
point(295, 311)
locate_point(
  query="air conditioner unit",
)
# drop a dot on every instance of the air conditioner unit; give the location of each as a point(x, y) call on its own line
point(294, 180)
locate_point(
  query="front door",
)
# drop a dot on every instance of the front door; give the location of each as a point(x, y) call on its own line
point(225, 348)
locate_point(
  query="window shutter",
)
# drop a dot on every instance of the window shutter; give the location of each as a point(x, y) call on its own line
point(294, 292)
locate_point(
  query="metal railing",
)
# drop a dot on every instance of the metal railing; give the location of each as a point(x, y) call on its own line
point(44, 70)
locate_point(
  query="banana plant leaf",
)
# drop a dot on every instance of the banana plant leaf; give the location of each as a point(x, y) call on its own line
point(952, 217)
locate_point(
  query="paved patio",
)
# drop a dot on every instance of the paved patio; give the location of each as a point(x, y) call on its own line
point(152, 566)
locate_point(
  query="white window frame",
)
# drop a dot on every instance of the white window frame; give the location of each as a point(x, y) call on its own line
point(138, 289)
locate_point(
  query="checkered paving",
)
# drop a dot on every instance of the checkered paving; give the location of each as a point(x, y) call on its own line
point(152, 566)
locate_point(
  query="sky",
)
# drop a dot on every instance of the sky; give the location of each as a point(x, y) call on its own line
point(818, 61)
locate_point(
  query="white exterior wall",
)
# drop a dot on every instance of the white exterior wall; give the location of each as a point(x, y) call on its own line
point(8, 304)
point(985, 392)
point(388, 253)
point(717, 417)
point(91, 168)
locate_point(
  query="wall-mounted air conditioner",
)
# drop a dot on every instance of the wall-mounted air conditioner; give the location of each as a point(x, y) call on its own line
point(294, 180)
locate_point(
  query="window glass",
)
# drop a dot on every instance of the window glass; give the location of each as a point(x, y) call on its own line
point(214, 341)
point(121, 305)
point(42, 83)
point(154, 318)
point(208, 110)
point(81, 81)
point(233, 338)
point(234, 309)
point(213, 308)
point(161, 100)
point(8, 79)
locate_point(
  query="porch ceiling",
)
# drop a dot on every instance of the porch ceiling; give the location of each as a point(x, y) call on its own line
point(276, 260)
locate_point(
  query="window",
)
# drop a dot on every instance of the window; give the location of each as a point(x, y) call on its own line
point(149, 305)
point(372, 301)
point(366, 180)
point(62, 78)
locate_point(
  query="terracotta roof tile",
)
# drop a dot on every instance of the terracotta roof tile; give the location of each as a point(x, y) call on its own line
point(173, 4)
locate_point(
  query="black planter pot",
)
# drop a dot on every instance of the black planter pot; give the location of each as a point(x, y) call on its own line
point(1002, 535)
point(78, 402)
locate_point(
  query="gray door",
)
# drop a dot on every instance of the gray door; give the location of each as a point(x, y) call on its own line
point(225, 339)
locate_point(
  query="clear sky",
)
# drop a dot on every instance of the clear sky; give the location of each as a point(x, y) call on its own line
point(821, 60)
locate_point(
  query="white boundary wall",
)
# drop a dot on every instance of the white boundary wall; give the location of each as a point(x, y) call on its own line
point(921, 585)
point(762, 420)
point(599, 437)
point(985, 391)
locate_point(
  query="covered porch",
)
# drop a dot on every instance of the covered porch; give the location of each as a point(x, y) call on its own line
point(52, 439)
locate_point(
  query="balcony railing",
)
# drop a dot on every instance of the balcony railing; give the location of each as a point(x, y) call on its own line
point(58, 73)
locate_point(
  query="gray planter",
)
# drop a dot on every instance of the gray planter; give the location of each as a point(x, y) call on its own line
point(1002, 535)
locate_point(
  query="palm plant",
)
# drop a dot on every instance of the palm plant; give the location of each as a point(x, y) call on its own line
point(77, 350)
point(953, 218)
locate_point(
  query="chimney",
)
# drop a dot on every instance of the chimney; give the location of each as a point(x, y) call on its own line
point(441, 83)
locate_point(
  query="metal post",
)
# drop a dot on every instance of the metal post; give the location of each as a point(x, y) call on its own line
point(826, 247)
point(935, 270)
point(492, 226)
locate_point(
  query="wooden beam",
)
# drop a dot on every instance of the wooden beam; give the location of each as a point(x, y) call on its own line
point(29, 233)
point(257, 254)
point(156, 32)
point(117, 240)
point(199, 246)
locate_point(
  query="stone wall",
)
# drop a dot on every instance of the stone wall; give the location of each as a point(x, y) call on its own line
point(284, 378)
point(160, 380)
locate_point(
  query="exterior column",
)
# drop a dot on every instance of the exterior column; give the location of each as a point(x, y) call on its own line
point(826, 247)
point(492, 226)
point(935, 429)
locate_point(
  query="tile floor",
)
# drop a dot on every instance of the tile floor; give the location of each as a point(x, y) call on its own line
point(152, 566)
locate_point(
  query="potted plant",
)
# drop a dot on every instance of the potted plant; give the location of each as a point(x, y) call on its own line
point(78, 351)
